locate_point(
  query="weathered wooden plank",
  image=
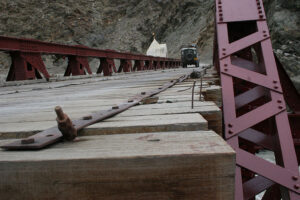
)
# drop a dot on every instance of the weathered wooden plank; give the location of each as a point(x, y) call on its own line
point(214, 94)
point(177, 165)
point(115, 125)
point(80, 108)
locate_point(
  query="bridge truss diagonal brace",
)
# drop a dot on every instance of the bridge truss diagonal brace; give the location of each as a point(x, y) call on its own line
point(138, 65)
point(232, 44)
point(77, 65)
point(26, 66)
point(125, 65)
point(107, 66)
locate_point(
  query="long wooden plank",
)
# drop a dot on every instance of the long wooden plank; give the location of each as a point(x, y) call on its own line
point(175, 165)
point(129, 124)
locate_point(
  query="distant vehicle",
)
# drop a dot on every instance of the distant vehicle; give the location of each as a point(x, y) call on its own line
point(189, 56)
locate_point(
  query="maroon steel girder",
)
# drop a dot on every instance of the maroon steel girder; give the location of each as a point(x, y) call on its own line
point(77, 55)
point(52, 135)
point(254, 108)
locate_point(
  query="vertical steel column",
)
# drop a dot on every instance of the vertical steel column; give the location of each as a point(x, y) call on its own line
point(26, 66)
point(138, 65)
point(163, 64)
point(149, 64)
point(254, 108)
point(156, 64)
point(77, 65)
point(107, 65)
point(125, 66)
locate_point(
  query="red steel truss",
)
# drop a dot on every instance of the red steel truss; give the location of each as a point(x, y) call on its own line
point(27, 62)
point(254, 107)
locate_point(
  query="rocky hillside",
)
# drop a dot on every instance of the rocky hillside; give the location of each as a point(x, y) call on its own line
point(127, 25)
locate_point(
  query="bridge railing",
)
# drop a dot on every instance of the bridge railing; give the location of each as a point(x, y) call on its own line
point(27, 62)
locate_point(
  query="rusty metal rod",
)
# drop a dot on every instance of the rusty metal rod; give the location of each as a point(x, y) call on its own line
point(201, 80)
point(193, 94)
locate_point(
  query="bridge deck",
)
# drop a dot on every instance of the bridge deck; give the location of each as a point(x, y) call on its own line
point(27, 109)
point(171, 150)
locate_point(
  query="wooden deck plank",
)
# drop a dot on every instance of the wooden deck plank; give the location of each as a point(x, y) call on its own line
point(129, 124)
point(185, 165)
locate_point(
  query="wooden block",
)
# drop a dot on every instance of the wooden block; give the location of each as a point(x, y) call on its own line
point(150, 100)
point(175, 165)
point(214, 94)
point(148, 123)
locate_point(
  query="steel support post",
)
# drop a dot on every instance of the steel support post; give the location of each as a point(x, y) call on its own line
point(138, 65)
point(125, 66)
point(26, 66)
point(163, 64)
point(107, 66)
point(156, 65)
point(167, 64)
point(292, 98)
point(77, 65)
point(254, 107)
point(149, 64)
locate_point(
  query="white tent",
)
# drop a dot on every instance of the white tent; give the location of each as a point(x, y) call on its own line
point(156, 49)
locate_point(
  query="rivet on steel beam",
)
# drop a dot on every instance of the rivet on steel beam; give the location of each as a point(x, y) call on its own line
point(280, 107)
point(274, 81)
point(220, 10)
point(224, 54)
point(297, 186)
point(279, 101)
point(115, 107)
point(260, 12)
point(265, 35)
point(229, 125)
point(130, 101)
point(27, 141)
point(225, 70)
point(275, 87)
point(87, 117)
point(264, 31)
point(143, 93)
point(259, 7)
point(295, 178)
point(221, 18)
point(230, 132)
point(219, 2)
point(224, 49)
point(160, 88)
point(225, 65)
point(261, 16)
